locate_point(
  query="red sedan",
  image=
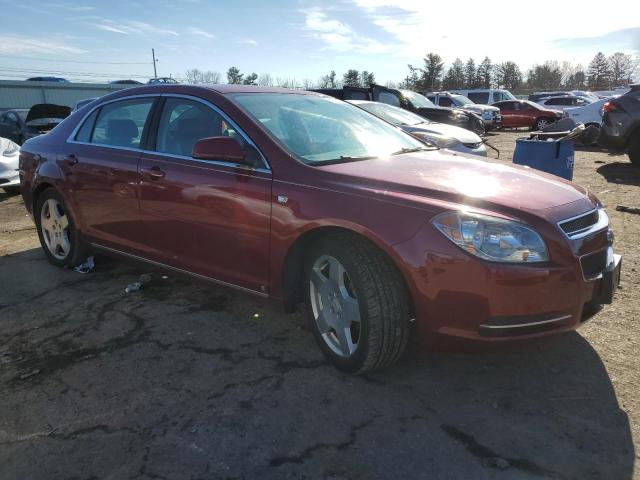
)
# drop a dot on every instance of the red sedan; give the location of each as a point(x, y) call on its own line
point(302, 198)
point(523, 113)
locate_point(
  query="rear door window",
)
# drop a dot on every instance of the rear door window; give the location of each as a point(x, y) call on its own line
point(120, 124)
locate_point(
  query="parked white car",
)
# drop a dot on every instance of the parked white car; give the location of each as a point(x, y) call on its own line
point(9, 176)
point(564, 102)
point(588, 114)
point(486, 96)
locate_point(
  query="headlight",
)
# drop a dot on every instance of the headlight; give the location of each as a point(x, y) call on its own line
point(11, 149)
point(437, 140)
point(492, 238)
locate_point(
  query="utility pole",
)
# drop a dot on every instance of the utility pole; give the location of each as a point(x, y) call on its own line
point(153, 55)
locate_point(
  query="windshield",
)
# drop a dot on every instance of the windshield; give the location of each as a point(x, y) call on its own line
point(392, 114)
point(416, 99)
point(462, 100)
point(322, 130)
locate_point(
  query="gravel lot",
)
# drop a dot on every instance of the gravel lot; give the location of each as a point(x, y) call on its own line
point(188, 380)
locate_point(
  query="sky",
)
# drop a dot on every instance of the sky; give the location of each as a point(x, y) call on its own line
point(301, 39)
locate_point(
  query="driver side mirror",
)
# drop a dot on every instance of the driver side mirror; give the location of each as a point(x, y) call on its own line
point(224, 149)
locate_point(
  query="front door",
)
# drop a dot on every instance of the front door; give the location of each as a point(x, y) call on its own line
point(207, 217)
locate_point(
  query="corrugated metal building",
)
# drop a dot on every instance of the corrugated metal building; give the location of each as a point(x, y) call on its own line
point(23, 94)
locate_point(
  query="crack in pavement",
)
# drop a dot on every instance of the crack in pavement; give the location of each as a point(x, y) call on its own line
point(489, 457)
point(308, 452)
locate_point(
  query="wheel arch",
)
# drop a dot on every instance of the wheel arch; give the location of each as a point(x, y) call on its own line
point(293, 266)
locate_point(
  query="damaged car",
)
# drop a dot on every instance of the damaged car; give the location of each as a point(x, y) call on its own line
point(22, 124)
point(9, 177)
point(438, 134)
point(312, 202)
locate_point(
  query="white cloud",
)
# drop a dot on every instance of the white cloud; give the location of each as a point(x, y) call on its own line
point(200, 33)
point(249, 41)
point(132, 27)
point(10, 44)
point(505, 30)
point(339, 36)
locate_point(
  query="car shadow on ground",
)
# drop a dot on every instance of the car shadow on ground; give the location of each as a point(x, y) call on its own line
point(621, 172)
point(184, 379)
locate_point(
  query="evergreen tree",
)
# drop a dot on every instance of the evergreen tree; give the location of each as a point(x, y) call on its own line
point(599, 73)
point(455, 78)
point(470, 74)
point(234, 76)
point(351, 78)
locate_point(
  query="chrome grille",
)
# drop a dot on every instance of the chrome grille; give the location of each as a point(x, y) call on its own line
point(577, 225)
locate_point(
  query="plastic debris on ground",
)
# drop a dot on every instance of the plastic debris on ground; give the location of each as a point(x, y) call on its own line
point(87, 266)
point(135, 286)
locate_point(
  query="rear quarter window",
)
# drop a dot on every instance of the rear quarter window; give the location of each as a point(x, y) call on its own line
point(479, 97)
point(85, 131)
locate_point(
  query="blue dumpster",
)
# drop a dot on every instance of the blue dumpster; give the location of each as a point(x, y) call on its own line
point(555, 157)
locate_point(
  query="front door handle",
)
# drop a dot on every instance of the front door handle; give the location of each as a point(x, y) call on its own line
point(154, 173)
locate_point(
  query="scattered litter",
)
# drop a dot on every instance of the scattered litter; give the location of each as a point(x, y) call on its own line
point(623, 208)
point(87, 266)
point(135, 286)
point(501, 463)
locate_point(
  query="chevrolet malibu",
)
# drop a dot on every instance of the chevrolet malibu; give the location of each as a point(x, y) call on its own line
point(308, 200)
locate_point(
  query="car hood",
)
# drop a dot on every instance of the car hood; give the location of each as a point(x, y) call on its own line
point(480, 108)
point(461, 134)
point(47, 111)
point(461, 179)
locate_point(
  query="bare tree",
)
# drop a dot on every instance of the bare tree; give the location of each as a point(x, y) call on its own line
point(308, 84)
point(193, 76)
point(265, 80)
point(622, 67)
point(211, 77)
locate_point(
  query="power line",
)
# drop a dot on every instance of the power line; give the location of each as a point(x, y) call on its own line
point(73, 61)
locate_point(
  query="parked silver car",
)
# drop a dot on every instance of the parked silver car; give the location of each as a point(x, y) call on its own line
point(438, 134)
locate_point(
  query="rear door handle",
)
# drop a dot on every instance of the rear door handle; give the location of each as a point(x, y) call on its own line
point(70, 159)
point(154, 173)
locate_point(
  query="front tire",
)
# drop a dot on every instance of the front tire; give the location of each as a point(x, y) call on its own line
point(57, 232)
point(541, 123)
point(357, 303)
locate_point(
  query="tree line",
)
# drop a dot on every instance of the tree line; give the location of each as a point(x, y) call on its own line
point(602, 73)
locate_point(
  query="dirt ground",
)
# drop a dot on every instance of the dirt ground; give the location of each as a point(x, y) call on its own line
point(187, 380)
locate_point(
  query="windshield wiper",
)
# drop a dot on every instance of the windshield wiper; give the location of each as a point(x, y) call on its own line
point(344, 159)
point(409, 150)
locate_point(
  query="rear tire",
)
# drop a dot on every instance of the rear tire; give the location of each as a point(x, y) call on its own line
point(634, 151)
point(354, 288)
point(60, 240)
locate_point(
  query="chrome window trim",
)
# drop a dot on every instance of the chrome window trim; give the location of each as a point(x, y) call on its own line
point(265, 169)
point(74, 132)
point(601, 224)
point(179, 270)
point(207, 162)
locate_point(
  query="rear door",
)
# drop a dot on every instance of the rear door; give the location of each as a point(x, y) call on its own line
point(509, 115)
point(101, 162)
point(208, 217)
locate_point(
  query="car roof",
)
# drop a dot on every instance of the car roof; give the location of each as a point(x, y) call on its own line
point(221, 88)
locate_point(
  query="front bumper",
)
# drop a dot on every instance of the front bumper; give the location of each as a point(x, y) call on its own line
point(9, 176)
point(459, 297)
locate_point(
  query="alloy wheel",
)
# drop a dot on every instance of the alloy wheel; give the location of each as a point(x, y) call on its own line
point(54, 225)
point(335, 306)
